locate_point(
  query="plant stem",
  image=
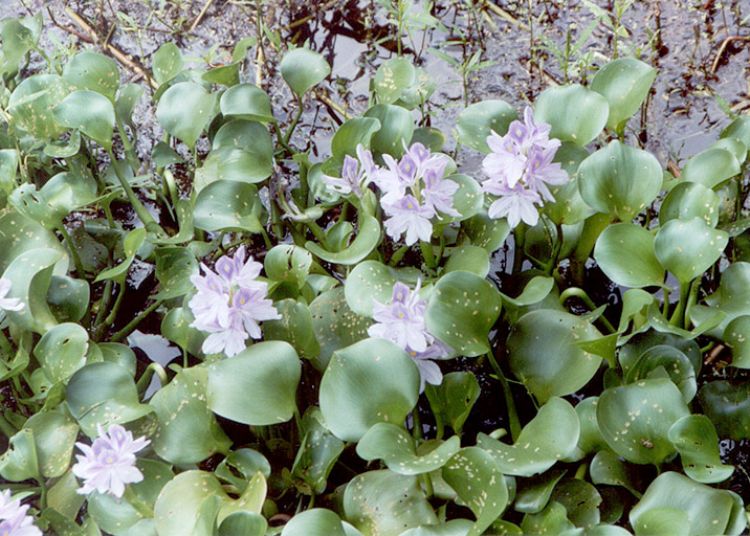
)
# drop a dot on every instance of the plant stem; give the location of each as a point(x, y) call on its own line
point(678, 315)
point(514, 422)
point(398, 255)
point(110, 318)
point(584, 297)
point(124, 332)
point(148, 220)
point(73, 251)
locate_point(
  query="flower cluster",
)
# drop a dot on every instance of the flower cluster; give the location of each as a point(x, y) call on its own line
point(108, 465)
point(414, 189)
point(402, 322)
point(519, 168)
point(230, 303)
point(14, 520)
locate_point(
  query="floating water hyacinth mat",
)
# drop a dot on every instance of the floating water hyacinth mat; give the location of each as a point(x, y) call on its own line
point(327, 344)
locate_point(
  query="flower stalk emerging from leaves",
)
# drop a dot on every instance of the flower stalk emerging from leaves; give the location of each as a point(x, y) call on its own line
point(402, 322)
point(414, 189)
point(230, 303)
point(108, 465)
point(520, 168)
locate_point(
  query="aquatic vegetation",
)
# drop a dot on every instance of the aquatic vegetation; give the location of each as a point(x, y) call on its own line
point(327, 343)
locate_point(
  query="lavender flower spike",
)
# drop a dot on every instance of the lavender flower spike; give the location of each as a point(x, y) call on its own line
point(407, 216)
point(356, 173)
point(14, 521)
point(8, 304)
point(402, 322)
point(230, 304)
point(108, 465)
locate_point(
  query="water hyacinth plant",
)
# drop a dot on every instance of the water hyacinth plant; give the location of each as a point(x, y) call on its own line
point(524, 323)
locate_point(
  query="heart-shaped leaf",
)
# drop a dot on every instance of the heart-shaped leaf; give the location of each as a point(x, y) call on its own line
point(625, 83)
point(246, 101)
point(711, 167)
point(727, 405)
point(625, 253)
point(575, 113)
point(314, 522)
point(355, 131)
point(171, 111)
point(690, 200)
point(91, 113)
point(62, 351)
point(396, 129)
point(366, 383)
point(228, 205)
point(695, 439)
point(453, 399)
point(303, 68)
point(241, 151)
point(93, 71)
point(687, 248)
point(32, 102)
point(477, 121)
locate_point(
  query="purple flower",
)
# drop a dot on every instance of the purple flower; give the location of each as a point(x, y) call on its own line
point(14, 520)
point(402, 322)
point(407, 216)
point(356, 173)
point(230, 304)
point(108, 465)
point(520, 168)
point(8, 304)
point(438, 192)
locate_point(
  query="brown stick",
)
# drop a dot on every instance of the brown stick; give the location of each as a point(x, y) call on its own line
point(202, 13)
point(118, 54)
point(714, 354)
point(723, 48)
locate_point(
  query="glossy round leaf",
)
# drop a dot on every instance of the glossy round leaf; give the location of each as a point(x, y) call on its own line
point(318, 452)
point(314, 522)
point(469, 259)
point(366, 383)
point(246, 101)
point(477, 121)
point(370, 282)
point(32, 102)
point(727, 405)
point(635, 419)
point(91, 113)
point(690, 200)
point(187, 431)
point(258, 386)
point(575, 113)
point(625, 253)
point(478, 482)
point(550, 436)
point(335, 324)
point(619, 180)
point(386, 503)
point(166, 62)
point(228, 205)
point(454, 398)
point(93, 71)
point(303, 68)
point(394, 445)
point(355, 131)
point(711, 167)
point(62, 351)
point(625, 83)
point(55, 434)
point(392, 78)
point(695, 439)
point(668, 362)
point(468, 199)
point(687, 248)
point(544, 333)
point(368, 237)
point(174, 104)
point(396, 128)
point(486, 232)
point(242, 151)
point(462, 309)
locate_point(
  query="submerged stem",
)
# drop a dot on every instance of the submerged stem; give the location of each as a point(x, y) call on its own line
point(513, 421)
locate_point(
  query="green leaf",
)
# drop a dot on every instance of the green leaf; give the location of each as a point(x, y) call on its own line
point(550, 436)
point(314, 522)
point(62, 351)
point(228, 205)
point(19, 234)
point(294, 327)
point(736, 337)
point(575, 113)
point(396, 129)
point(131, 244)
point(241, 465)
point(91, 113)
point(708, 510)
point(625, 83)
point(172, 107)
point(394, 445)
point(666, 362)
point(127, 98)
point(187, 431)
point(477, 121)
point(462, 309)
point(32, 103)
point(695, 439)
point(30, 274)
point(619, 180)
point(607, 468)
point(552, 520)
point(94, 72)
point(174, 266)
point(727, 405)
point(366, 383)
point(286, 263)
point(625, 253)
point(246, 101)
point(258, 386)
point(317, 454)
point(468, 199)
point(581, 501)
point(392, 78)
point(687, 248)
point(20, 461)
point(370, 282)
point(534, 493)
point(738, 129)
point(478, 482)
point(486, 232)
point(54, 434)
point(690, 200)
point(453, 399)
point(366, 240)
point(635, 419)
point(335, 324)
point(546, 332)
point(711, 167)
point(166, 62)
point(18, 39)
point(536, 290)
point(101, 394)
point(355, 131)
point(303, 68)
point(386, 503)
point(241, 151)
